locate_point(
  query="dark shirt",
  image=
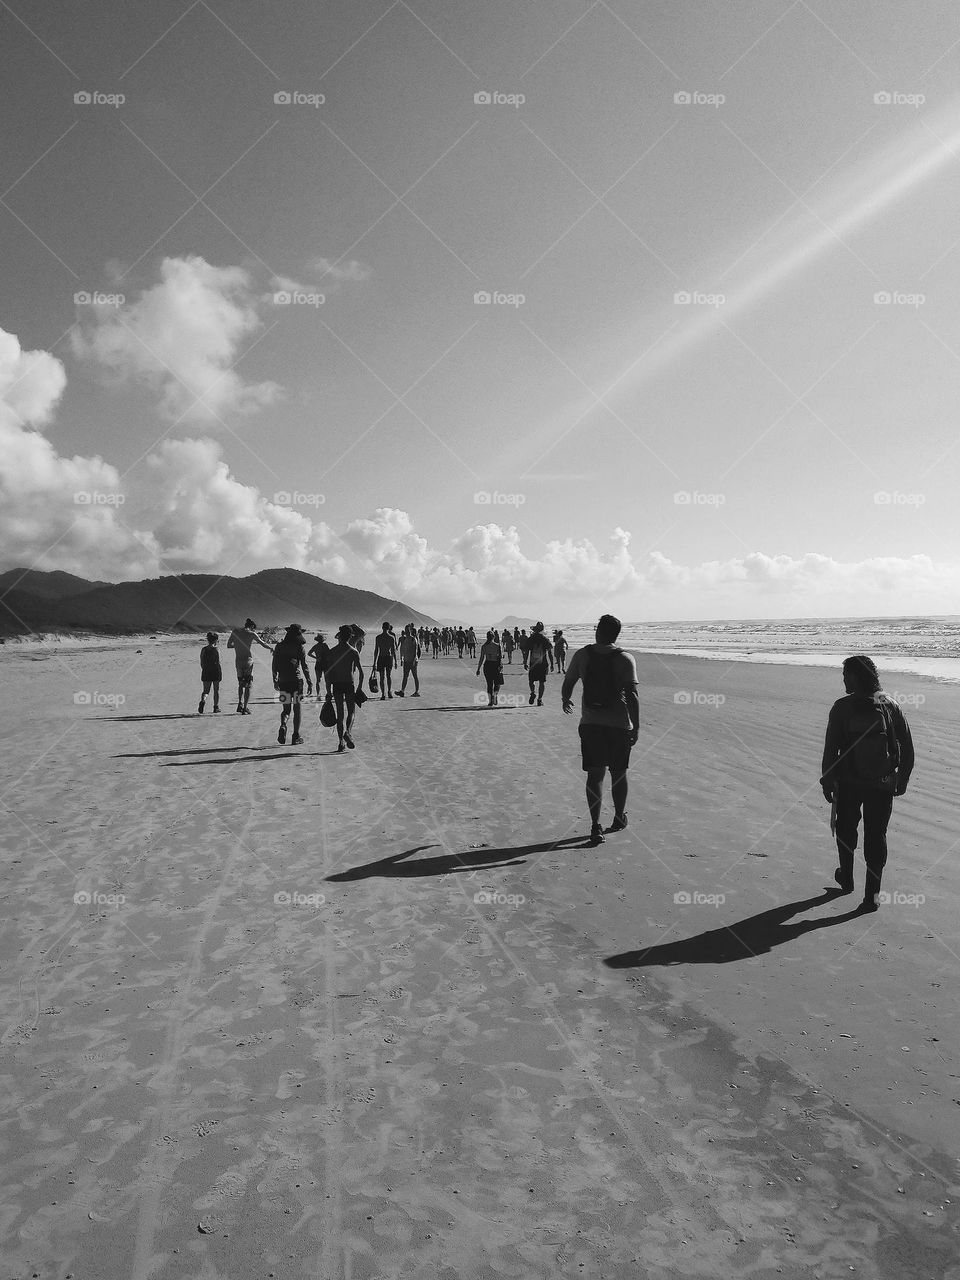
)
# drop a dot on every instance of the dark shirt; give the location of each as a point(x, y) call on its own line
point(287, 657)
point(210, 662)
point(849, 719)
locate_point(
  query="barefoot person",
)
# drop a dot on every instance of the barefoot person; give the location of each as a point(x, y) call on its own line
point(343, 662)
point(410, 652)
point(289, 659)
point(242, 640)
point(560, 648)
point(539, 653)
point(508, 645)
point(385, 659)
point(609, 719)
point(210, 672)
point(491, 662)
point(867, 760)
point(318, 653)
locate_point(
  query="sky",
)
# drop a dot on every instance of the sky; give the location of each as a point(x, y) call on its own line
point(550, 309)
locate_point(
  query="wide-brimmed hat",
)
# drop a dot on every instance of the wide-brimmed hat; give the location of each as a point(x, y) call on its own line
point(345, 630)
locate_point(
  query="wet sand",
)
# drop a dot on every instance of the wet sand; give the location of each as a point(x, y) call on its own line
point(272, 1011)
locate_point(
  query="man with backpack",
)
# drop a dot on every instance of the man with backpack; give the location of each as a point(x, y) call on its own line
point(539, 652)
point(867, 760)
point(609, 719)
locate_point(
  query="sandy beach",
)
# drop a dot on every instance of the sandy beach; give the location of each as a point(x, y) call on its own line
point(274, 1012)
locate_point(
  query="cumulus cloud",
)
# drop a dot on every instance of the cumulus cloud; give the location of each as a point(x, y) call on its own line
point(182, 337)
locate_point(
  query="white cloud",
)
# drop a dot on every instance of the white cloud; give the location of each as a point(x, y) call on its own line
point(182, 337)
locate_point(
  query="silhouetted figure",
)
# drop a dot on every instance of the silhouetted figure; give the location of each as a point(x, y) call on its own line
point(491, 661)
point(242, 640)
point(539, 653)
point(609, 719)
point(342, 661)
point(867, 760)
point(289, 659)
point(210, 671)
point(385, 659)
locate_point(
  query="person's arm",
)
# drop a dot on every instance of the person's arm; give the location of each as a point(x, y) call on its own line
point(305, 669)
point(275, 667)
point(832, 744)
point(633, 710)
point(262, 642)
point(905, 742)
point(313, 653)
point(480, 658)
point(356, 666)
point(230, 644)
point(569, 681)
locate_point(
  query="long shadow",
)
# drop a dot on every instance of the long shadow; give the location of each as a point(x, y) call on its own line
point(442, 864)
point(740, 941)
point(183, 751)
point(177, 715)
point(479, 707)
point(277, 755)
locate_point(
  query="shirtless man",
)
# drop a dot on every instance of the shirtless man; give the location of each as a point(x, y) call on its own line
point(385, 659)
point(289, 659)
point(342, 661)
point(539, 652)
point(409, 656)
point(242, 640)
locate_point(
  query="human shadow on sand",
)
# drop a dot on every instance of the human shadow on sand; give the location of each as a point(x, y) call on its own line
point(393, 867)
point(257, 759)
point(182, 751)
point(175, 715)
point(740, 941)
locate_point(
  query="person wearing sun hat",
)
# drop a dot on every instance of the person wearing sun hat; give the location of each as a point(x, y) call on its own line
point(289, 659)
point(342, 661)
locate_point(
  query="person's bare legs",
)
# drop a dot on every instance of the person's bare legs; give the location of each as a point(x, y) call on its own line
point(594, 799)
point(618, 790)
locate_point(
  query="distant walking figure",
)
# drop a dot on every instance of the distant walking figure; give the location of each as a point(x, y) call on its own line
point(385, 659)
point(491, 661)
point(609, 719)
point(210, 672)
point(508, 645)
point(319, 653)
point(289, 659)
point(242, 639)
point(342, 661)
point(867, 760)
point(410, 652)
point(560, 648)
point(539, 653)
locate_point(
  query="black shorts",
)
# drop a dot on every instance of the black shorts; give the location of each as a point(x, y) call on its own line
point(538, 670)
point(288, 689)
point(245, 676)
point(602, 745)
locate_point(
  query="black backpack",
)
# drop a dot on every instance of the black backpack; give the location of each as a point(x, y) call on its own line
point(602, 682)
point(873, 756)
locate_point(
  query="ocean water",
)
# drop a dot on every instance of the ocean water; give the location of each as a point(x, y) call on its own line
point(918, 646)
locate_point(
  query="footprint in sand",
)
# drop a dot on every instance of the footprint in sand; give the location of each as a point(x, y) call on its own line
point(288, 1083)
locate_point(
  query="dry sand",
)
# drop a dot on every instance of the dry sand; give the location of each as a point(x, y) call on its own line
point(579, 1078)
